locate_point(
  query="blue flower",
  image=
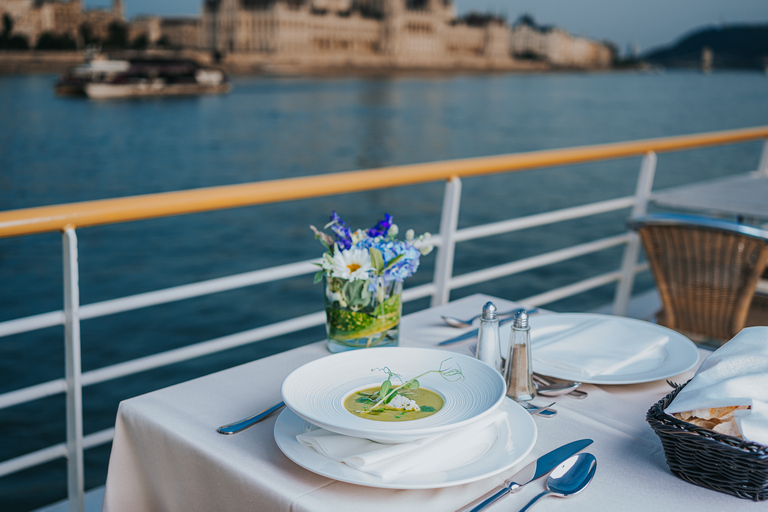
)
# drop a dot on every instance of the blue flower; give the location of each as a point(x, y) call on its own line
point(404, 267)
point(340, 229)
point(381, 229)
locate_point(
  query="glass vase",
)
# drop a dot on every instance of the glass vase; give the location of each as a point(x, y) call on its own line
point(362, 313)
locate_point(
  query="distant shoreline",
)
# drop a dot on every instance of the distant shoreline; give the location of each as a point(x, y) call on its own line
point(29, 62)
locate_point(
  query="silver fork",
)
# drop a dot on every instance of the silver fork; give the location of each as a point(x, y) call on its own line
point(576, 393)
point(535, 410)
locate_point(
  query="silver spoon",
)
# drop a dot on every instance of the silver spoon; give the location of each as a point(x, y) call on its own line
point(239, 426)
point(456, 322)
point(569, 478)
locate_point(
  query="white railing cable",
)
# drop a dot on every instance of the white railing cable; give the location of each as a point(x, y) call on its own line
point(540, 260)
point(54, 452)
point(36, 392)
point(31, 323)
point(542, 219)
point(189, 291)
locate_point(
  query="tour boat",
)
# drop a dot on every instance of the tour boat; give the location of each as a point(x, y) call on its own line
point(136, 77)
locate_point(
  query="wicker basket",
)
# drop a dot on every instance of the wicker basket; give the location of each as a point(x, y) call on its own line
point(703, 457)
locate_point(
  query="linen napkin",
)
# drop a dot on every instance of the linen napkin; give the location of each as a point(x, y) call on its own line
point(734, 374)
point(388, 461)
point(596, 346)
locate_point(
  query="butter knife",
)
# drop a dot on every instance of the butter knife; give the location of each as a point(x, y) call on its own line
point(528, 474)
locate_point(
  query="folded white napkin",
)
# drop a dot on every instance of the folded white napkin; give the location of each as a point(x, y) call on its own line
point(432, 454)
point(596, 347)
point(734, 374)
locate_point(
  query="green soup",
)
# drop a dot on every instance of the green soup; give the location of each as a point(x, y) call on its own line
point(360, 404)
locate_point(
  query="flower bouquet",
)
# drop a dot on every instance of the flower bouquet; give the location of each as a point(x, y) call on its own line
point(363, 273)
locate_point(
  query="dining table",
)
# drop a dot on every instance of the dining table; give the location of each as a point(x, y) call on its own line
point(167, 455)
point(743, 197)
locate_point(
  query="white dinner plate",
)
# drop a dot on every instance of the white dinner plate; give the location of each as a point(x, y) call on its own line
point(673, 356)
point(316, 391)
point(516, 438)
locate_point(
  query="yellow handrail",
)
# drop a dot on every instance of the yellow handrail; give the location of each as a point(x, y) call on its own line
point(43, 219)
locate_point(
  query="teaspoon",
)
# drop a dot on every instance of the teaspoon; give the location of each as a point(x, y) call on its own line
point(569, 478)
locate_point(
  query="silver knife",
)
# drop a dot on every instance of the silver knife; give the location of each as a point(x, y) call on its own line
point(472, 333)
point(528, 474)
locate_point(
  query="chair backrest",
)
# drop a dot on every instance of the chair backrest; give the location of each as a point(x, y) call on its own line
point(706, 270)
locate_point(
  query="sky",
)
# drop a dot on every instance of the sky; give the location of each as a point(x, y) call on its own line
point(646, 24)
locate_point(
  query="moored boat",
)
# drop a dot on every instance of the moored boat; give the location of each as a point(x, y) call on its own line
point(137, 77)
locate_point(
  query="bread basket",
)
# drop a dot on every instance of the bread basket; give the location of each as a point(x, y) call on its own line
point(706, 458)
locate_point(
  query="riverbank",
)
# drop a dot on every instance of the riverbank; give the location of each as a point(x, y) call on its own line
point(26, 62)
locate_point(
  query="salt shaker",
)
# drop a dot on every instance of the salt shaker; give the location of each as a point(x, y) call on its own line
point(488, 346)
point(519, 372)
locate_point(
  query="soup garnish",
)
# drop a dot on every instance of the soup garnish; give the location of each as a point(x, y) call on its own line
point(405, 401)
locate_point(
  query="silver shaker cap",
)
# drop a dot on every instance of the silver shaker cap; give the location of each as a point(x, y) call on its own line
point(489, 311)
point(521, 319)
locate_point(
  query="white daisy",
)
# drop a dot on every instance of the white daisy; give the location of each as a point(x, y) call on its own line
point(351, 264)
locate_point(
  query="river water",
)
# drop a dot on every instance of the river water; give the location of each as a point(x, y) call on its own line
point(59, 150)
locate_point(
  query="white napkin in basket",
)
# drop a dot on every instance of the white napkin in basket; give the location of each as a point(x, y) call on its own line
point(596, 347)
point(734, 374)
point(387, 461)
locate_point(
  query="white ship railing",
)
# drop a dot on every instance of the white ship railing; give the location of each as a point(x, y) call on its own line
point(67, 218)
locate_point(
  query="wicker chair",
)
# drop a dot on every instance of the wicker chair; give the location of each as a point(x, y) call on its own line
point(706, 271)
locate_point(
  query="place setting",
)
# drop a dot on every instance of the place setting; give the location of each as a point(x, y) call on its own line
point(597, 349)
point(334, 425)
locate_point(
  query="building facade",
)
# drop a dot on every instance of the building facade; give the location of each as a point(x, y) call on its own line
point(410, 32)
point(33, 18)
point(558, 48)
point(403, 32)
point(323, 33)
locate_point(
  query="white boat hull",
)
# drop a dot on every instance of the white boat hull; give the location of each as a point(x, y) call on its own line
point(144, 89)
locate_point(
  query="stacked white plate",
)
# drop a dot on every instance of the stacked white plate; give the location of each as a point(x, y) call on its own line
point(315, 394)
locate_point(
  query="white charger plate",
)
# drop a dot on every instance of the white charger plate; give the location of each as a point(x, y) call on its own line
point(516, 438)
point(316, 391)
point(674, 356)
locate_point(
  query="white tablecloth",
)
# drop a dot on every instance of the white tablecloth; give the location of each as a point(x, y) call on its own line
point(167, 456)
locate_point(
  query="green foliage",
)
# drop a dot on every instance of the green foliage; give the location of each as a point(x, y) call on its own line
point(117, 36)
point(140, 43)
point(50, 41)
point(7, 26)
point(8, 41)
point(377, 261)
point(357, 294)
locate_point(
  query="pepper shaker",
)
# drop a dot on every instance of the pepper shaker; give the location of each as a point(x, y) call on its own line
point(519, 371)
point(488, 346)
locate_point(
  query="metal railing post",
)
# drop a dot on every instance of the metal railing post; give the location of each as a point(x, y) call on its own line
point(73, 372)
point(632, 249)
point(449, 221)
point(762, 167)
